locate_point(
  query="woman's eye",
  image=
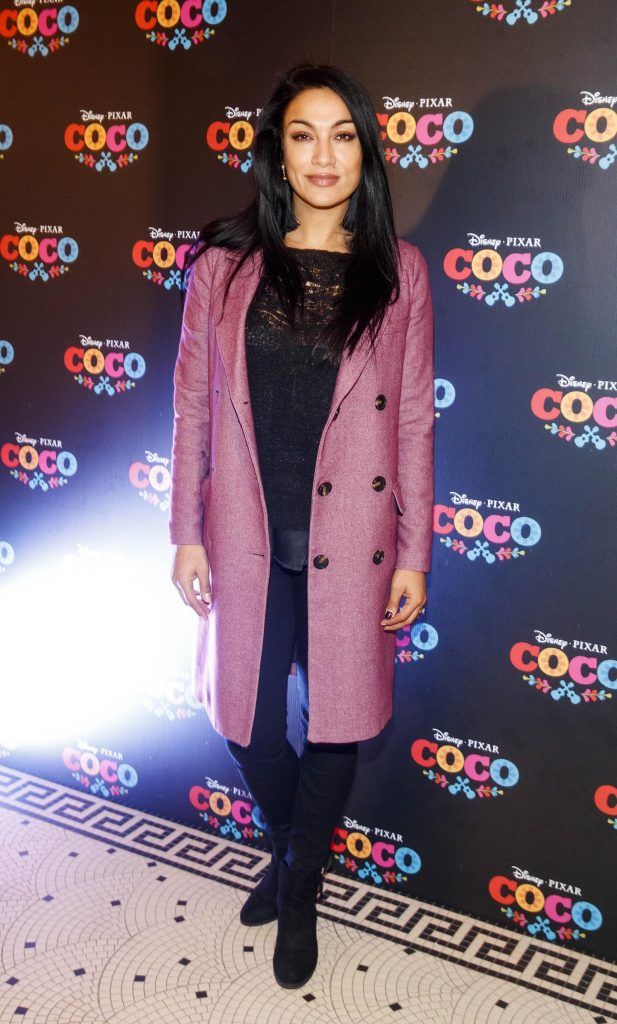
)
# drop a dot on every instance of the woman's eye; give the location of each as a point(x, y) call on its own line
point(346, 135)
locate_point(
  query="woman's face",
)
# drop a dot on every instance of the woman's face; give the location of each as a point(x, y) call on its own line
point(321, 149)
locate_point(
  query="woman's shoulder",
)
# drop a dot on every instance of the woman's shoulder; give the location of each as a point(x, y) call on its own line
point(408, 251)
point(211, 253)
point(413, 261)
point(209, 257)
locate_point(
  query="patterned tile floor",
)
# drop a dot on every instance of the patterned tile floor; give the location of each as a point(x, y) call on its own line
point(108, 914)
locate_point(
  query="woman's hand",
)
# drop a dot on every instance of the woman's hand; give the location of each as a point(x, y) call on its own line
point(191, 563)
point(410, 583)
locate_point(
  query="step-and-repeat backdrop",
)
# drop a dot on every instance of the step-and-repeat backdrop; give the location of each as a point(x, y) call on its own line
point(123, 128)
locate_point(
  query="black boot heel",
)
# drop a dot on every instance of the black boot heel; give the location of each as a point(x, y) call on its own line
point(295, 950)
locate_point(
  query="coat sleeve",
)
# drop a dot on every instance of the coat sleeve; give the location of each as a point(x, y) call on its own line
point(190, 451)
point(416, 427)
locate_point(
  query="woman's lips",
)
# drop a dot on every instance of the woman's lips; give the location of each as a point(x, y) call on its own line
point(323, 179)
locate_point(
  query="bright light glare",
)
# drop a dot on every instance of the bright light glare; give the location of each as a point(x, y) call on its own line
point(83, 638)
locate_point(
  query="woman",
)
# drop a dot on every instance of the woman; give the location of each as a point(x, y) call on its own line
point(302, 473)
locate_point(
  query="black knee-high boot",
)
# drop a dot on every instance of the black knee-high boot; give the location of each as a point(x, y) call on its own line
point(272, 784)
point(326, 775)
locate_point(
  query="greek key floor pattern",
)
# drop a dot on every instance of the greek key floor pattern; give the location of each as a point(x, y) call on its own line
point(109, 915)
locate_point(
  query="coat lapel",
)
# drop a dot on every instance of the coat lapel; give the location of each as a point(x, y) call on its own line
point(231, 343)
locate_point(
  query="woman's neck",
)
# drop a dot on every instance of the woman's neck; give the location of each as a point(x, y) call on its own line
point(339, 244)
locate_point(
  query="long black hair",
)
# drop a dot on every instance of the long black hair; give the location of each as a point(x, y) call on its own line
point(371, 278)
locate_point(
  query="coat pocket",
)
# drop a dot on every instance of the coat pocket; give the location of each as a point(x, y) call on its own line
point(396, 491)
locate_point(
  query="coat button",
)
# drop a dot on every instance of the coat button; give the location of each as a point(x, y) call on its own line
point(379, 483)
point(320, 561)
point(325, 487)
point(378, 556)
point(380, 401)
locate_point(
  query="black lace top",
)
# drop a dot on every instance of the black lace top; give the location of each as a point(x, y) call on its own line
point(291, 389)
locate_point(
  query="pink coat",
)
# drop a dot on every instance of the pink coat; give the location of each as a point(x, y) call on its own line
point(380, 424)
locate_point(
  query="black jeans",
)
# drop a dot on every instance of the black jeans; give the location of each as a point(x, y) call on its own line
point(301, 798)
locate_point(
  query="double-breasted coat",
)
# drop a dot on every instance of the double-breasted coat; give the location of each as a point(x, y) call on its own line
point(371, 506)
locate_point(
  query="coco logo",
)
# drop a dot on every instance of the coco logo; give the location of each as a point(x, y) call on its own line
point(414, 641)
point(379, 860)
point(501, 533)
point(429, 135)
point(7, 354)
point(583, 678)
point(475, 772)
point(6, 139)
point(232, 816)
point(484, 274)
point(445, 395)
point(41, 32)
point(102, 772)
point(106, 147)
point(169, 697)
point(104, 367)
point(45, 258)
point(152, 480)
point(530, 12)
point(605, 799)
point(176, 25)
point(43, 467)
point(161, 258)
point(529, 903)
point(590, 419)
point(231, 139)
point(580, 130)
point(7, 555)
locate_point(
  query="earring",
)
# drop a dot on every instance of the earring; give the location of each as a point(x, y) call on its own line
point(284, 175)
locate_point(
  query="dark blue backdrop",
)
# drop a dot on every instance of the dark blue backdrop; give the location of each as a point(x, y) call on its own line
point(494, 788)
